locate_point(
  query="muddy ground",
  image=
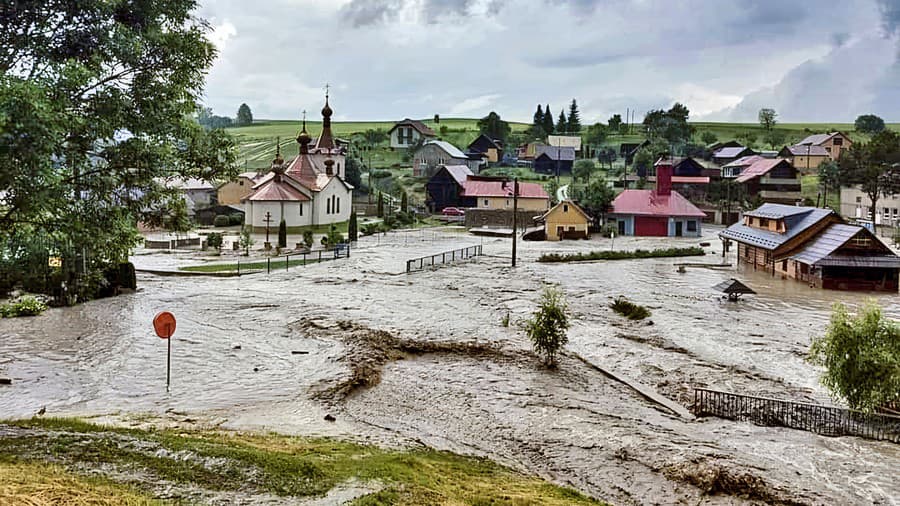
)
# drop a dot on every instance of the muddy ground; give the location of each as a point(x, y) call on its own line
point(424, 359)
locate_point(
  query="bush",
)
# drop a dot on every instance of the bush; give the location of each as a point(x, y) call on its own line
point(861, 356)
point(282, 234)
point(629, 309)
point(235, 219)
point(547, 328)
point(221, 220)
point(622, 255)
point(308, 238)
point(214, 240)
point(24, 306)
point(380, 173)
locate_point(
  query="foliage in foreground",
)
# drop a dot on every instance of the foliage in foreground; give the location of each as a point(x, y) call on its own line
point(861, 356)
point(622, 255)
point(24, 306)
point(547, 328)
point(273, 464)
point(629, 309)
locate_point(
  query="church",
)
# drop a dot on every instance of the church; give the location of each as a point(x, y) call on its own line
point(309, 191)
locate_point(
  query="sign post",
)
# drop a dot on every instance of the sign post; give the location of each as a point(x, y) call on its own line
point(164, 325)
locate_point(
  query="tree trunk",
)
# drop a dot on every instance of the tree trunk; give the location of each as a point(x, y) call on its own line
point(874, 200)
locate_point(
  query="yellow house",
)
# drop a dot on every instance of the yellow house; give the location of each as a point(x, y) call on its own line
point(806, 158)
point(566, 221)
point(233, 192)
point(834, 143)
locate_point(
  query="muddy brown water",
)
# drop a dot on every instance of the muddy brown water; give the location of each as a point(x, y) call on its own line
point(574, 425)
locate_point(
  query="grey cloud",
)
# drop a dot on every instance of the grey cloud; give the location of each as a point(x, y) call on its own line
point(890, 12)
point(372, 12)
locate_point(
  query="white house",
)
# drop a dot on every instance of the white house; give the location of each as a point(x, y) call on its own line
point(408, 132)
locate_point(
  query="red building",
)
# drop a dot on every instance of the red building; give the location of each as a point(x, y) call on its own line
point(660, 212)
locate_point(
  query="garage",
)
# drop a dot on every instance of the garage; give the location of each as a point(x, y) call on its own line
point(651, 226)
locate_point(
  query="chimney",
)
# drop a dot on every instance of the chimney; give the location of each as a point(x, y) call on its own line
point(664, 171)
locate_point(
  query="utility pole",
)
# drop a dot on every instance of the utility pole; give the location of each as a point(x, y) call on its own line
point(515, 217)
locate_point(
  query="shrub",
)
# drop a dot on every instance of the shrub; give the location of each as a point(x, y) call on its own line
point(127, 276)
point(861, 356)
point(547, 328)
point(380, 173)
point(235, 219)
point(214, 240)
point(352, 227)
point(629, 309)
point(24, 306)
point(246, 240)
point(282, 234)
point(308, 238)
point(622, 255)
point(221, 220)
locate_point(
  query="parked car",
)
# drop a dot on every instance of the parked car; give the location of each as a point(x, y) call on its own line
point(453, 211)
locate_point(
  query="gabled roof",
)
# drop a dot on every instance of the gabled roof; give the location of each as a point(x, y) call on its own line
point(482, 139)
point(650, 203)
point(819, 139)
point(730, 152)
point(827, 243)
point(481, 188)
point(448, 148)
point(459, 173)
point(733, 286)
point(803, 150)
point(744, 161)
point(277, 189)
point(569, 203)
point(565, 141)
point(796, 218)
point(760, 168)
point(564, 153)
point(420, 127)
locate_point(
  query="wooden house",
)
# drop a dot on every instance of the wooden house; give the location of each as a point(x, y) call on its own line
point(457, 186)
point(566, 220)
point(234, 192)
point(491, 150)
point(773, 180)
point(433, 154)
point(447, 188)
point(728, 154)
point(834, 143)
point(814, 246)
point(408, 132)
point(554, 160)
point(806, 157)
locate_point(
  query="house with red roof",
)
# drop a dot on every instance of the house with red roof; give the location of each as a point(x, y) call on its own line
point(658, 212)
point(773, 180)
point(457, 186)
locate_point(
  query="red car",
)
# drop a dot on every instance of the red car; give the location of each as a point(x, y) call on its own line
point(453, 211)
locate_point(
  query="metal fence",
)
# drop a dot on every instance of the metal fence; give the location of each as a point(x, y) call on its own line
point(284, 263)
point(418, 264)
point(825, 420)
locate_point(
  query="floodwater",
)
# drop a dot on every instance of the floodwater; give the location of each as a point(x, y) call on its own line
point(257, 352)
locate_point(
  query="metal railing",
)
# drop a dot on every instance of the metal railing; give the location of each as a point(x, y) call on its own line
point(418, 264)
point(825, 420)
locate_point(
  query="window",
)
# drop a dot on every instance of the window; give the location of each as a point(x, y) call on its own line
point(692, 226)
point(763, 222)
point(858, 200)
point(337, 201)
point(784, 265)
point(565, 208)
point(485, 202)
point(328, 206)
point(240, 183)
point(837, 141)
point(301, 209)
point(862, 241)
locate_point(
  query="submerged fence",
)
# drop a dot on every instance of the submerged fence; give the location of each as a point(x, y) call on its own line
point(418, 264)
point(825, 420)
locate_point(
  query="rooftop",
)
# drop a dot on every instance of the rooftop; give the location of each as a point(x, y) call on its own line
point(649, 203)
point(759, 168)
point(797, 219)
point(448, 148)
point(807, 149)
point(564, 153)
point(420, 127)
point(480, 188)
point(729, 152)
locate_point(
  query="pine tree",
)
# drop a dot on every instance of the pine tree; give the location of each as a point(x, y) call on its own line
point(404, 203)
point(282, 234)
point(539, 117)
point(352, 231)
point(244, 115)
point(561, 125)
point(548, 120)
point(574, 120)
point(379, 205)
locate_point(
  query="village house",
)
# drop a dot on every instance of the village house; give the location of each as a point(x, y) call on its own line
point(814, 246)
point(198, 194)
point(712, 148)
point(565, 141)
point(447, 188)
point(554, 160)
point(772, 180)
point(526, 153)
point(565, 220)
point(457, 186)
point(307, 192)
point(408, 132)
point(855, 204)
point(834, 143)
point(659, 212)
point(234, 192)
point(806, 158)
point(433, 154)
point(733, 169)
point(489, 150)
point(728, 154)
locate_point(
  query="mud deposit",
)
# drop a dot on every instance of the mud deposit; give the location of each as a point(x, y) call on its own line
point(423, 359)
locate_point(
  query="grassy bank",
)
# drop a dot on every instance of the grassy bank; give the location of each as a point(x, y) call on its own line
point(622, 255)
point(56, 461)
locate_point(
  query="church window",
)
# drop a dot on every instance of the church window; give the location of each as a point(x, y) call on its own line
point(328, 206)
point(301, 208)
point(337, 201)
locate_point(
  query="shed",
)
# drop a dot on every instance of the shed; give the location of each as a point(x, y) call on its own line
point(566, 220)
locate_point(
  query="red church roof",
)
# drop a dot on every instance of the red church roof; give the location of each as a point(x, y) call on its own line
point(276, 189)
point(648, 202)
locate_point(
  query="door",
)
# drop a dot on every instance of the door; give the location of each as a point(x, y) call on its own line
point(678, 228)
point(621, 227)
point(651, 226)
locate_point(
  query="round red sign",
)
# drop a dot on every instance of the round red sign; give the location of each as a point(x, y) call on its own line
point(164, 324)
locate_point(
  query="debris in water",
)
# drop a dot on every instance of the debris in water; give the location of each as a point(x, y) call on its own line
point(5, 381)
point(256, 369)
point(236, 347)
point(330, 418)
point(296, 352)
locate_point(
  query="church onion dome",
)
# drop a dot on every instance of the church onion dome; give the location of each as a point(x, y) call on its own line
point(304, 139)
point(326, 111)
point(278, 162)
point(329, 167)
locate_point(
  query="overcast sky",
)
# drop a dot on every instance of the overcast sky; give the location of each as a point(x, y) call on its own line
point(811, 60)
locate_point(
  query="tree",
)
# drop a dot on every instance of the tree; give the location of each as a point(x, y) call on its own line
point(97, 111)
point(352, 228)
point(246, 241)
point(747, 137)
point(562, 126)
point(869, 124)
point(767, 118)
point(494, 127)
point(861, 356)
point(607, 155)
point(775, 138)
point(538, 121)
point(671, 126)
point(379, 204)
point(574, 120)
point(582, 169)
point(829, 178)
point(596, 197)
point(596, 134)
point(615, 123)
point(548, 120)
point(873, 166)
point(308, 238)
point(404, 202)
point(708, 138)
point(353, 172)
point(547, 328)
point(244, 116)
point(282, 234)
point(214, 241)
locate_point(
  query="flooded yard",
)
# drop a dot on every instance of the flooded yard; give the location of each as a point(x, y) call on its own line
point(424, 359)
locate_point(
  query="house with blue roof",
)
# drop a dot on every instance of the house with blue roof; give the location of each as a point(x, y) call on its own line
point(814, 246)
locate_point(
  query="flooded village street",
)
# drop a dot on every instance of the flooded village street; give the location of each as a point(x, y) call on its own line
point(423, 358)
